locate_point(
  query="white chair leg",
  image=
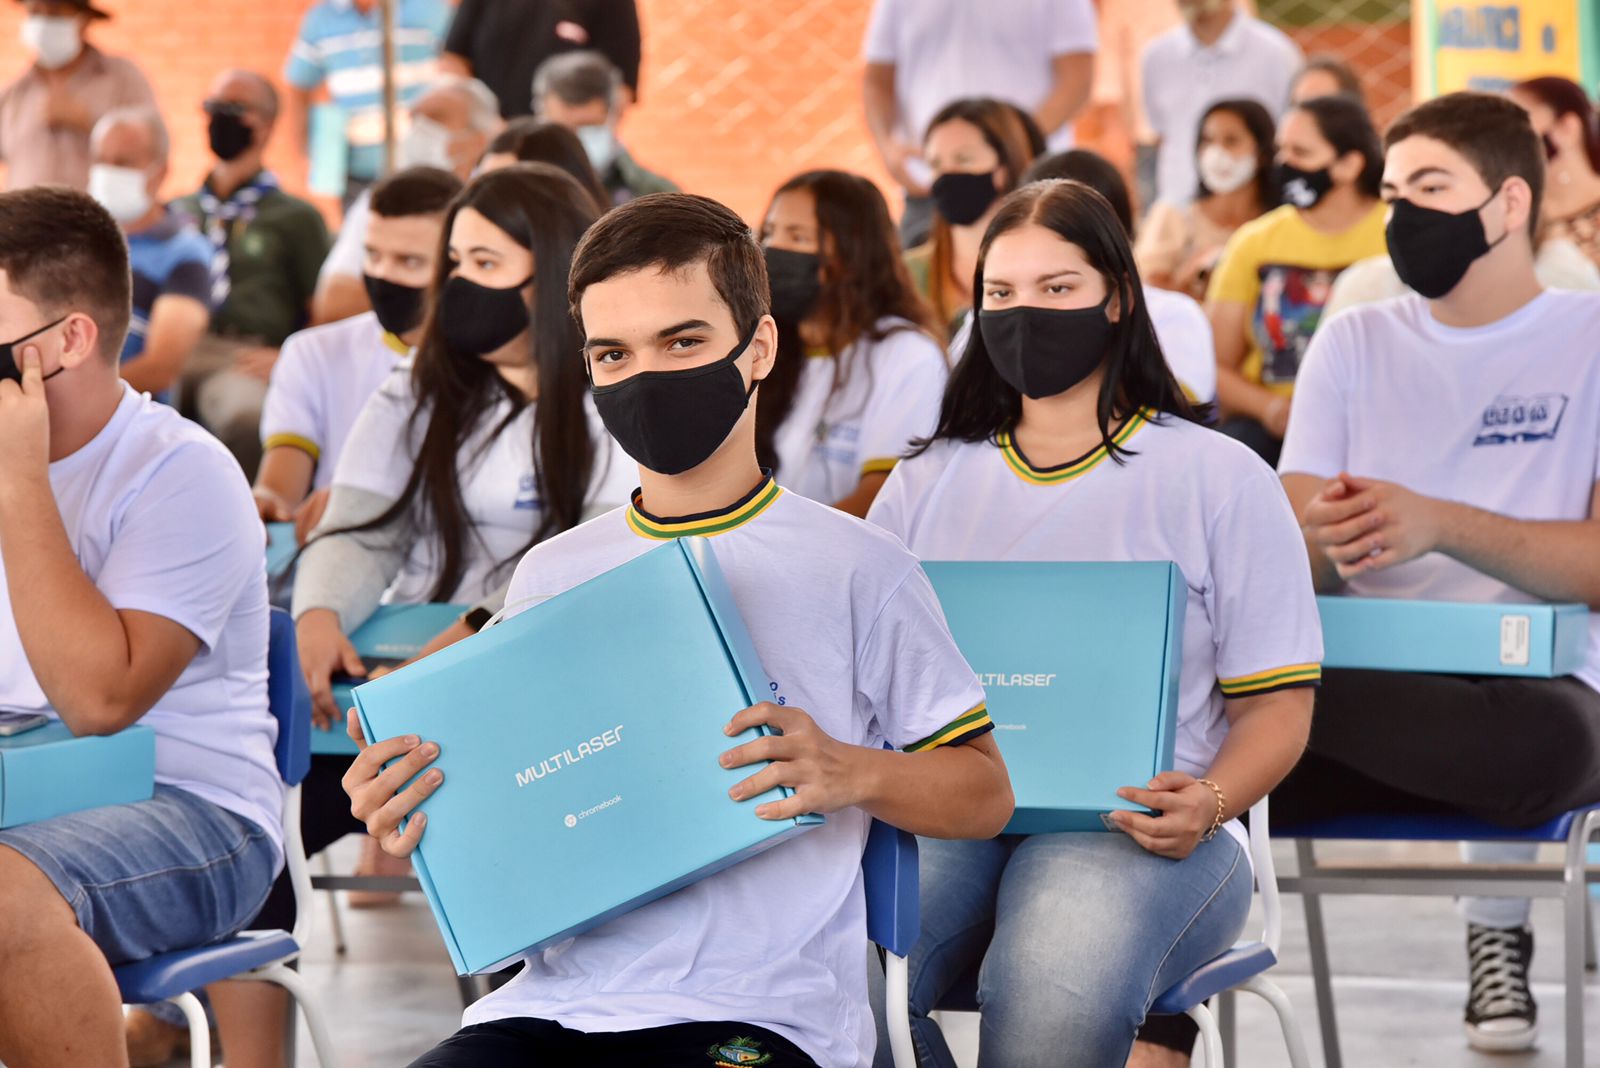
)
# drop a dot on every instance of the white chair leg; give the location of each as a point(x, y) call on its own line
point(897, 1007)
point(295, 984)
point(199, 1030)
point(1269, 992)
point(335, 919)
point(1210, 1037)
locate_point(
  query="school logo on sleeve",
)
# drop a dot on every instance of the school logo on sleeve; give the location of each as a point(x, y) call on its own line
point(737, 1053)
point(1512, 419)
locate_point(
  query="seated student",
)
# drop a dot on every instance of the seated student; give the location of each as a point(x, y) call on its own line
point(858, 374)
point(1267, 292)
point(1444, 447)
point(1063, 421)
point(977, 149)
point(1325, 75)
point(1181, 326)
point(132, 590)
point(671, 292)
point(171, 261)
point(327, 373)
point(529, 140)
point(484, 445)
point(584, 92)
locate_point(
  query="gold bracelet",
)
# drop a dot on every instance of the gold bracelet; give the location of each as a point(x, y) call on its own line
point(1222, 806)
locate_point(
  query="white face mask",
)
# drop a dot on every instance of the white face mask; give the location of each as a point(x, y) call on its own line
point(600, 145)
point(53, 39)
point(1222, 171)
point(122, 191)
point(426, 144)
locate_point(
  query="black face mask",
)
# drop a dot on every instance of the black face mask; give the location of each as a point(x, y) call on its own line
point(230, 136)
point(477, 320)
point(796, 279)
point(672, 421)
point(1040, 352)
point(398, 307)
point(1303, 189)
point(1431, 250)
point(963, 198)
point(10, 369)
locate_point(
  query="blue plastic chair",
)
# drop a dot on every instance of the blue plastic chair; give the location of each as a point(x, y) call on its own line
point(1573, 830)
point(1242, 968)
point(894, 919)
point(263, 956)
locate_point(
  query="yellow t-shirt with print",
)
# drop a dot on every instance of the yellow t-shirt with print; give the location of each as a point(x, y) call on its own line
point(1282, 270)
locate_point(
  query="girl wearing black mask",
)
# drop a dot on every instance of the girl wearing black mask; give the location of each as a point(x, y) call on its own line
point(977, 149)
point(1273, 278)
point(1063, 437)
point(858, 374)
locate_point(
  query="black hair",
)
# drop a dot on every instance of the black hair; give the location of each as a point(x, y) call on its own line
point(1094, 171)
point(978, 405)
point(1345, 124)
point(1263, 131)
point(545, 211)
point(533, 140)
point(415, 191)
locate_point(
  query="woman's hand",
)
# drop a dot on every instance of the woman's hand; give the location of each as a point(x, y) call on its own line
point(376, 797)
point(1186, 809)
point(325, 652)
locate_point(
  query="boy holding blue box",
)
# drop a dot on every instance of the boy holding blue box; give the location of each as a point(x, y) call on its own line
point(133, 590)
point(672, 294)
point(1444, 447)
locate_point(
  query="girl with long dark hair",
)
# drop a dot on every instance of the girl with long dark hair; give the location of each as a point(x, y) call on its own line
point(1565, 120)
point(858, 374)
point(1064, 437)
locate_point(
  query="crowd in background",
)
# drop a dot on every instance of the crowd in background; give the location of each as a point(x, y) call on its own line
point(319, 360)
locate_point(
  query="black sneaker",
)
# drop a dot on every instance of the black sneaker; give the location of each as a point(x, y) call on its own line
point(1501, 1014)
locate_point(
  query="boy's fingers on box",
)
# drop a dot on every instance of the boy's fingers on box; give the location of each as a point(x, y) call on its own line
point(401, 771)
point(401, 805)
point(402, 843)
point(769, 747)
point(787, 809)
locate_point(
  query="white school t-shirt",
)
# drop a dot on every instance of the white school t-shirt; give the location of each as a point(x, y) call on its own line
point(498, 485)
point(1184, 334)
point(1191, 496)
point(943, 50)
point(857, 416)
point(160, 518)
point(848, 629)
point(322, 379)
point(1504, 417)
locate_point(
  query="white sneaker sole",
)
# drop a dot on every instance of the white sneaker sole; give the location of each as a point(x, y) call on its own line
point(1509, 1037)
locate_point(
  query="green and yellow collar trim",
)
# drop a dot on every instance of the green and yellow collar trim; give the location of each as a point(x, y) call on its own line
point(1052, 476)
point(706, 524)
point(395, 344)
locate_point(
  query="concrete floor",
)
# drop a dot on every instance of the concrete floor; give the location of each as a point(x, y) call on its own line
point(1399, 963)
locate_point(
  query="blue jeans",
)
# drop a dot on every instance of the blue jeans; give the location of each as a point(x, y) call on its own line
point(173, 872)
point(1072, 935)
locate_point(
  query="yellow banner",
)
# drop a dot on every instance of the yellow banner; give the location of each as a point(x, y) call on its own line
point(1490, 46)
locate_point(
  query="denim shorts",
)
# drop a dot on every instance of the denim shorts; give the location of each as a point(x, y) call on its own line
point(173, 872)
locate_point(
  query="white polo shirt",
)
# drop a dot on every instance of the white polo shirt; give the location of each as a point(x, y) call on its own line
point(1184, 334)
point(1501, 417)
point(1189, 495)
point(1181, 79)
point(857, 415)
point(943, 50)
point(322, 379)
point(848, 629)
point(161, 521)
point(499, 487)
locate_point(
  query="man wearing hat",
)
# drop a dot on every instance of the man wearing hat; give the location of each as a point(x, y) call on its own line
point(46, 115)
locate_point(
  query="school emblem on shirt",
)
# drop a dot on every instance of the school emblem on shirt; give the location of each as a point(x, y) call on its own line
point(737, 1053)
point(1512, 419)
point(527, 494)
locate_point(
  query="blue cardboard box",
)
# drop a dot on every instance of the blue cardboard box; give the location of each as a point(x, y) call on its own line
point(394, 634)
point(1080, 664)
point(580, 744)
point(1529, 640)
point(48, 772)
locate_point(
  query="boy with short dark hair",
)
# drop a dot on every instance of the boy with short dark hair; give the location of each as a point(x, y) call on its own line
point(133, 590)
point(671, 292)
point(1444, 447)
